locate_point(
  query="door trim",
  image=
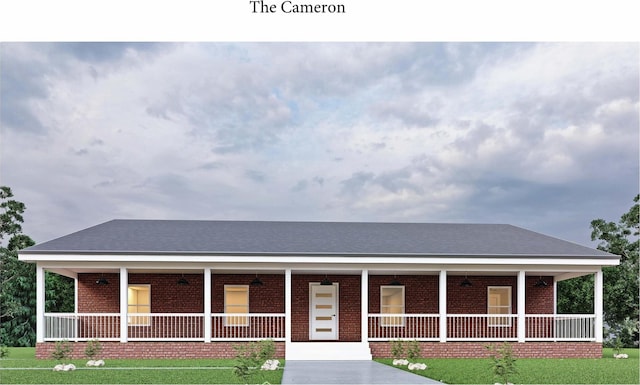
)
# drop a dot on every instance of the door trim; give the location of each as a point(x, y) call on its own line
point(336, 285)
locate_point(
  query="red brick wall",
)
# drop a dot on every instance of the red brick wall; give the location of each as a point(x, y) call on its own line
point(348, 306)
point(421, 292)
point(169, 297)
point(478, 349)
point(114, 350)
point(94, 298)
point(473, 300)
point(268, 298)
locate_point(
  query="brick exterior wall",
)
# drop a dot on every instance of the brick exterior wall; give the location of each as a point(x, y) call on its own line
point(421, 293)
point(421, 296)
point(114, 350)
point(348, 306)
point(479, 350)
point(173, 350)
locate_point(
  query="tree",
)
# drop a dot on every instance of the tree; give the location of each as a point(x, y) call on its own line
point(18, 279)
point(621, 283)
point(17, 293)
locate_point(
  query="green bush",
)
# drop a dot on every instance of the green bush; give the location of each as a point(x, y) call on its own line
point(92, 349)
point(413, 350)
point(62, 351)
point(503, 363)
point(4, 351)
point(250, 357)
point(397, 349)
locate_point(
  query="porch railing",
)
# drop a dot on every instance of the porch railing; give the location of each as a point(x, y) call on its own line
point(163, 326)
point(256, 326)
point(422, 327)
point(560, 327)
point(81, 327)
point(247, 326)
point(482, 327)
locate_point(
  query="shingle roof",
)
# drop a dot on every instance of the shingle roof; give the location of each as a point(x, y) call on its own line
point(311, 238)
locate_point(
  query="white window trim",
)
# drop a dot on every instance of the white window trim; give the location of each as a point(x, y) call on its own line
point(493, 318)
point(383, 323)
point(238, 318)
point(133, 315)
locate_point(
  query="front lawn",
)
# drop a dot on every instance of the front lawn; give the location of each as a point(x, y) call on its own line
point(606, 370)
point(22, 368)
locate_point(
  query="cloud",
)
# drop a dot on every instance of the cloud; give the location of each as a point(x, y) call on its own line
point(530, 134)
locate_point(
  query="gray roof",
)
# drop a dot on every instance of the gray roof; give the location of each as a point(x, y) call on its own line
point(312, 238)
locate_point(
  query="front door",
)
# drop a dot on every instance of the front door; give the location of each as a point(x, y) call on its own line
point(323, 312)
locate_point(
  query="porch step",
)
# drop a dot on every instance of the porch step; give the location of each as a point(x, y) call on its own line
point(323, 351)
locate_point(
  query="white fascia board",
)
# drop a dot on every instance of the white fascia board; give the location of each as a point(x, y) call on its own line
point(314, 259)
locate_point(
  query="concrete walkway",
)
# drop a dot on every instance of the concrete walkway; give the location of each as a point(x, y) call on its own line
point(348, 372)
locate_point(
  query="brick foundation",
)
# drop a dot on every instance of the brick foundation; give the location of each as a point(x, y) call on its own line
point(174, 350)
point(479, 350)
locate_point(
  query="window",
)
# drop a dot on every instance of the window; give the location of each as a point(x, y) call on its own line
point(236, 301)
point(499, 302)
point(139, 301)
point(392, 302)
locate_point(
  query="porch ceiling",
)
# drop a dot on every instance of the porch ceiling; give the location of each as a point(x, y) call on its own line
point(554, 271)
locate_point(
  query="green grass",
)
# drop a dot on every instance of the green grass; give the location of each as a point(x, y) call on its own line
point(20, 367)
point(606, 370)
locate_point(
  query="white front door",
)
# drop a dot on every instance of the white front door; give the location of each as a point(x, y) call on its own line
point(323, 312)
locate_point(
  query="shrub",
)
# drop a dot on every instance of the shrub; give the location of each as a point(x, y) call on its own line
point(397, 349)
point(250, 356)
point(4, 351)
point(92, 349)
point(413, 350)
point(62, 351)
point(503, 363)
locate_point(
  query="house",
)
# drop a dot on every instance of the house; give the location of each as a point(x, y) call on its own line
point(320, 290)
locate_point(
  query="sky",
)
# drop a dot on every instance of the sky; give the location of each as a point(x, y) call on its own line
point(539, 135)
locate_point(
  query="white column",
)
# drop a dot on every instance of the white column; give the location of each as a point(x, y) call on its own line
point(597, 305)
point(287, 306)
point(442, 305)
point(555, 296)
point(521, 305)
point(364, 306)
point(124, 302)
point(207, 304)
point(75, 294)
point(40, 303)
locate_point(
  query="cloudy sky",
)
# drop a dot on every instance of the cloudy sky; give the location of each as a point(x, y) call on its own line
point(543, 136)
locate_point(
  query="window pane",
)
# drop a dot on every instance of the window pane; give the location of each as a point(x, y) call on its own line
point(392, 302)
point(499, 302)
point(236, 300)
point(139, 301)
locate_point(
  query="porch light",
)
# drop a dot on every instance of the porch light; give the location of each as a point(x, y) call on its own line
point(541, 283)
point(326, 281)
point(466, 282)
point(395, 282)
point(256, 281)
point(183, 281)
point(102, 280)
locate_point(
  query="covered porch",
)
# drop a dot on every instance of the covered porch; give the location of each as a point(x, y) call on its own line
point(365, 306)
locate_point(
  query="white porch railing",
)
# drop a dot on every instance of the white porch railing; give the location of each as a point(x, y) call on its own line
point(165, 326)
point(482, 327)
point(256, 326)
point(247, 326)
point(423, 327)
point(81, 327)
point(560, 327)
